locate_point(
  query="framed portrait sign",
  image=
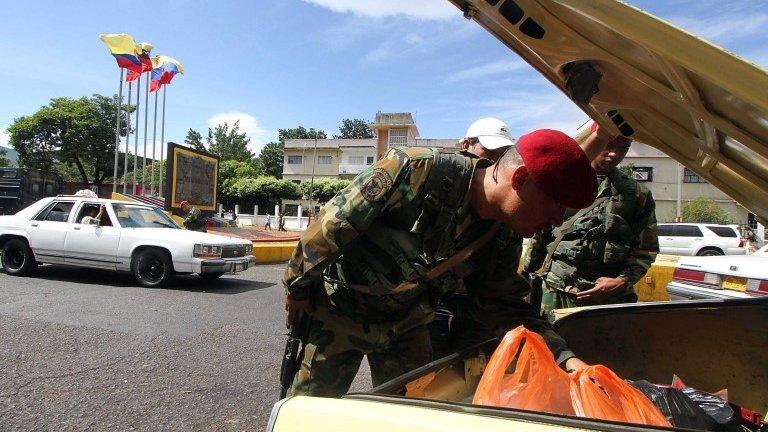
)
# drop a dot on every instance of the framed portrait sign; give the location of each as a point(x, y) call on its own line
point(192, 176)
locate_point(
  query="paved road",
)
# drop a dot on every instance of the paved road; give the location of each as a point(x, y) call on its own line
point(88, 350)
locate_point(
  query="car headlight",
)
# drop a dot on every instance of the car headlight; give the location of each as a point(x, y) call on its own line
point(206, 251)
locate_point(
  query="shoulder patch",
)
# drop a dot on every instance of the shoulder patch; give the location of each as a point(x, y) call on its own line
point(377, 185)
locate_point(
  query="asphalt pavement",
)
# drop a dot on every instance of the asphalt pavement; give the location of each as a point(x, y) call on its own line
point(90, 350)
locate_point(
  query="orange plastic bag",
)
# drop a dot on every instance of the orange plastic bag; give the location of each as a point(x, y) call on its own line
point(537, 383)
point(597, 392)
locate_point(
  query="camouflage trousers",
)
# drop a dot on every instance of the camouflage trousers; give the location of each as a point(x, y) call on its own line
point(553, 298)
point(336, 346)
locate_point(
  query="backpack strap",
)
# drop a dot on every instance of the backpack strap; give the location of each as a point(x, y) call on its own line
point(563, 230)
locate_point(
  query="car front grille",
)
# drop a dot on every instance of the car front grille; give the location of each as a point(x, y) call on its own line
point(233, 252)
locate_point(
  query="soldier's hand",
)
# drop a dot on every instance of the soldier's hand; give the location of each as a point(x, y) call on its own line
point(293, 306)
point(573, 364)
point(604, 287)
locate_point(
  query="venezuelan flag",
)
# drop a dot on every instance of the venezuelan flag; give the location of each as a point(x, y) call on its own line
point(165, 69)
point(123, 48)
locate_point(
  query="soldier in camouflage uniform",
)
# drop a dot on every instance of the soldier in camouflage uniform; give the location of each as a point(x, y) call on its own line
point(602, 251)
point(193, 221)
point(366, 269)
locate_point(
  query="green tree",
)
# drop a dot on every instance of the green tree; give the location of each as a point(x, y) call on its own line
point(4, 161)
point(194, 140)
point(78, 132)
point(271, 156)
point(264, 191)
point(705, 210)
point(354, 128)
point(231, 171)
point(228, 143)
point(157, 167)
point(322, 189)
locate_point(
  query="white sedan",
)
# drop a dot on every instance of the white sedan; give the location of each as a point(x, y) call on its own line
point(129, 236)
point(720, 277)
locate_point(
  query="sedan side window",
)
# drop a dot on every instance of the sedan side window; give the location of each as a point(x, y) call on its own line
point(665, 230)
point(57, 212)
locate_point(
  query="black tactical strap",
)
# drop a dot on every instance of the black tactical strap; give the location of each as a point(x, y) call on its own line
point(563, 230)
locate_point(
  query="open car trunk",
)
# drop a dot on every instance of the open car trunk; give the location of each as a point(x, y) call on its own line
point(710, 345)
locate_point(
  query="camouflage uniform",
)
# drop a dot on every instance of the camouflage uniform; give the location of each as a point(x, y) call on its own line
point(387, 228)
point(617, 238)
point(194, 220)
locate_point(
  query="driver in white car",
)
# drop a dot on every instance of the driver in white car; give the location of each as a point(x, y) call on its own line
point(92, 217)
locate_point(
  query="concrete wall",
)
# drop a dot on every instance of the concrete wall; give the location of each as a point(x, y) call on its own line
point(664, 188)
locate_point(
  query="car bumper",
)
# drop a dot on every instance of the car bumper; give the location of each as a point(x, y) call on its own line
point(682, 291)
point(230, 265)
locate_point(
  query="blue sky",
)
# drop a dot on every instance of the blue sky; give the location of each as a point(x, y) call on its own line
point(284, 63)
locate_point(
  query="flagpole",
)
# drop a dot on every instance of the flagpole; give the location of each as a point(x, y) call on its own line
point(136, 138)
point(154, 158)
point(146, 123)
point(127, 138)
point(117, 132)
point(162, 144)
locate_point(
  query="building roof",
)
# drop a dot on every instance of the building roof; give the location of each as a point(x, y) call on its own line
point(393, 119)
point(310, 143)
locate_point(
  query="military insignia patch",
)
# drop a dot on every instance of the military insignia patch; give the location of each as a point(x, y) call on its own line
point(376, 187)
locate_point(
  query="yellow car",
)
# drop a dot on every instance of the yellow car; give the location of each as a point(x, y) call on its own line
point(644, 78)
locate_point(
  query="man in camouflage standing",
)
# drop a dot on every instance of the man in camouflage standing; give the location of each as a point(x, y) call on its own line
point(598, 254)
point(418, 224)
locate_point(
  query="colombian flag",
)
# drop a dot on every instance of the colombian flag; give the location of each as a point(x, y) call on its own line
point(123, 48)
point(144, 49)
point(165, 68)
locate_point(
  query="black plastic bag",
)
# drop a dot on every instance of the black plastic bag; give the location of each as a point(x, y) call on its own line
point(678, 407)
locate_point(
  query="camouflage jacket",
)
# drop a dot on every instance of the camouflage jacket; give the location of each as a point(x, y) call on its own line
point(194, 220)
point(615, 239)
point(373, 235)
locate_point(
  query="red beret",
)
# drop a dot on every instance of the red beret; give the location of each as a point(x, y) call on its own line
point(559, 167)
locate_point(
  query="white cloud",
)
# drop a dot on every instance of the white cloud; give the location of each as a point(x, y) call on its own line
point(413, 38)
point(248, 124)
point(719, 27)
point(487, 69)
point(414, 9)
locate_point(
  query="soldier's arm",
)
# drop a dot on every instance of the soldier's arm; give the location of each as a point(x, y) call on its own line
point(646, 244)
point(499, 303)
point(342, 220)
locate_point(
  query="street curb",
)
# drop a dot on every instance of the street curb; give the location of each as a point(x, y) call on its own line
point(273, 252)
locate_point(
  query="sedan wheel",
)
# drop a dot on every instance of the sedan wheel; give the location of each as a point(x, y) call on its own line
point(152, 268)
point(18, 259)
point(710, 252)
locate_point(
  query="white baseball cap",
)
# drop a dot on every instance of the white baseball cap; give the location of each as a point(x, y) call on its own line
point(491, 132)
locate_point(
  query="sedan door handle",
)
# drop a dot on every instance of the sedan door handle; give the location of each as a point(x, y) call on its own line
point(76, 228)
point(34, 224)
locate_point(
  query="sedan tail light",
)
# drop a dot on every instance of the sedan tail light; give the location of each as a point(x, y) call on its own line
point(741, 242)
point(697, 276)
point(757, 285)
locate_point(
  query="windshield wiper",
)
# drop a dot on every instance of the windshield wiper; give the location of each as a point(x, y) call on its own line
point(163, 224)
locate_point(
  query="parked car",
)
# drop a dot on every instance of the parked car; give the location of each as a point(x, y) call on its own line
point(696, 239)
point(134, 237)
point(713, 277)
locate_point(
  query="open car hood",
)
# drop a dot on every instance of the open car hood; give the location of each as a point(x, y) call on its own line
point(647, 79)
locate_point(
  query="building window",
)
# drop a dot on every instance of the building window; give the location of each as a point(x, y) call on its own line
point(296, 181)
point(398, 136)
point(356, 160)
point(294, 160)
point(324, 160)
point(369, 160)
point(642, 174)
point(691, 177)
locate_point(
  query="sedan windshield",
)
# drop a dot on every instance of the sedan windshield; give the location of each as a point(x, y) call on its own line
point(138, 216)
